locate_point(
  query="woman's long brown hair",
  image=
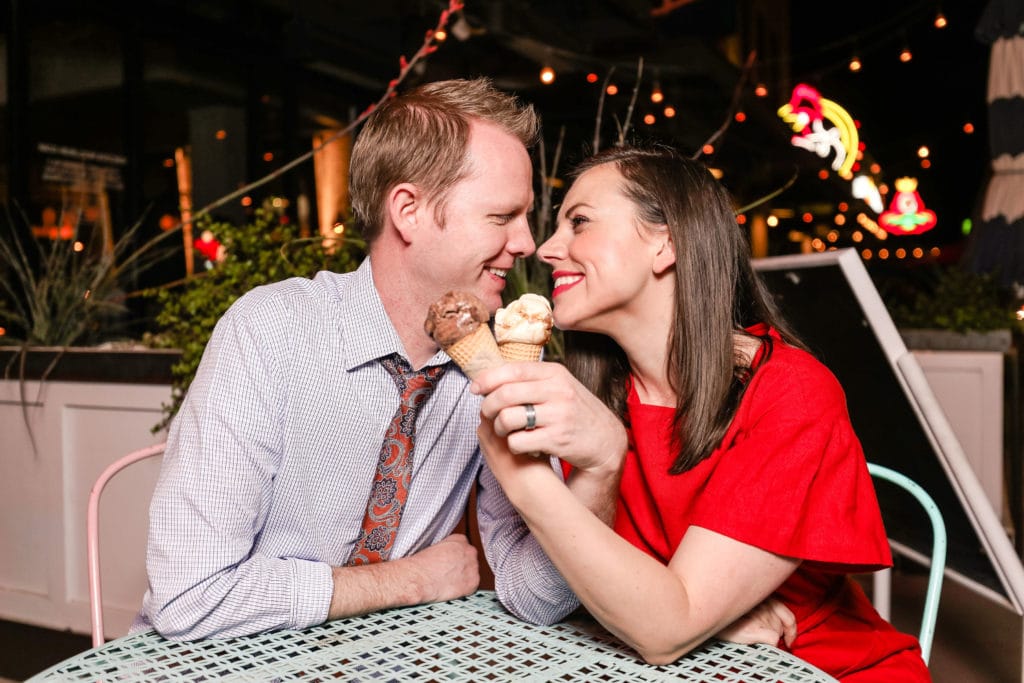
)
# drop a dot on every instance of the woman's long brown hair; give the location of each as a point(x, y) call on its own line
point(717, 295)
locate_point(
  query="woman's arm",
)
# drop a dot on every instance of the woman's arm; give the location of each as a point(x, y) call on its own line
point(661, 611)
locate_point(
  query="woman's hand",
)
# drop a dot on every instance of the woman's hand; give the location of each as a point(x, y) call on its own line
point(569, 422)
point(768, 623)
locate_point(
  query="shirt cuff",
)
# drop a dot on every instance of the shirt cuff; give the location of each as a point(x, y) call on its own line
point(313, 589)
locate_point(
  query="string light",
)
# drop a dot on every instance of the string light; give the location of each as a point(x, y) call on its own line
point(440, 35)
point(855, 64)
point(591, 77)
point(649, 119)
point(656, 95)
point(670, 112)
point(940, 20)
point(906, 55)
point(761, 90)
point(708, 149)
point(547, 75)
point(740, 117)
point(969, 128)
point(612, 89)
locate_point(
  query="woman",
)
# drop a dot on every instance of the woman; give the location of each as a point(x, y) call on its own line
point(738, 473)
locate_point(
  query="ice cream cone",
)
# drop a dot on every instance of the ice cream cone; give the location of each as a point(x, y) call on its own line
point(523, 328)
point(476, 352)
point(517, 351)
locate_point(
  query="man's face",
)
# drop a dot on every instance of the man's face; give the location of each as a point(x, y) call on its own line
point(485, 219)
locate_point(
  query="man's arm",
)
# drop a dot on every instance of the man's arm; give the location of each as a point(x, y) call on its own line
point(215, 493)
point(525, 580)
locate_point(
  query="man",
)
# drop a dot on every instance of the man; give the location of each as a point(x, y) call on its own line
point(261, 518)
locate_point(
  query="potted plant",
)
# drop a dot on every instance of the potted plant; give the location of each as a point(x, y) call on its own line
point(951, 308)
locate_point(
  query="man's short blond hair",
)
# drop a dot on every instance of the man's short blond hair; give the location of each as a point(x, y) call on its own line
point(421, 137)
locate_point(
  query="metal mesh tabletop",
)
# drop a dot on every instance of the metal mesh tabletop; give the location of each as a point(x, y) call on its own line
point(469, 639)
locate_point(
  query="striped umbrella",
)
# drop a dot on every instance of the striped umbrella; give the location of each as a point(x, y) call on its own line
point(997, 243)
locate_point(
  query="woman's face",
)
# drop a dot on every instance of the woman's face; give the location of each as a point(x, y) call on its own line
point(602, 257)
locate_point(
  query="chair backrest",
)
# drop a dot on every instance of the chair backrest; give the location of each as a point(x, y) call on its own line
point(92, 534)
point(937, 562)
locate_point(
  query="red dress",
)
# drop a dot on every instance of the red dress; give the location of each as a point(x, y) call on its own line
point(790, 477)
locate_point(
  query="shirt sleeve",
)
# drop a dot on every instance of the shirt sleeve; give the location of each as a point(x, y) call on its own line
point(215, 491)
point(793, 479)
point(525, 580)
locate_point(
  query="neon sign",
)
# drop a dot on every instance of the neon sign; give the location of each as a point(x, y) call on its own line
point(907, 214)
point(808, 114)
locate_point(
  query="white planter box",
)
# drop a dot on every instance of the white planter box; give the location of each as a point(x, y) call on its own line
point(79, 427)
point(965, 372)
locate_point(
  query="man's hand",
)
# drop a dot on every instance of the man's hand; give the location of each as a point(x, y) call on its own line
point(444, 571)
point(768, 623)
point(447, 570)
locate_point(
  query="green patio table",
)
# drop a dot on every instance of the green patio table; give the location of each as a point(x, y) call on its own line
point(469, 639)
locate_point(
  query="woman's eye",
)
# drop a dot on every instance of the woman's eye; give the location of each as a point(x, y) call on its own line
point(577, 220)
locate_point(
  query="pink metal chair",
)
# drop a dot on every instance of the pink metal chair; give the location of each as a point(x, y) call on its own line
point(92, 534)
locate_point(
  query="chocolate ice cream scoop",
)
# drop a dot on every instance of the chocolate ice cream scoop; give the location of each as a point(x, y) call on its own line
point(458, 323)
point(453, 316)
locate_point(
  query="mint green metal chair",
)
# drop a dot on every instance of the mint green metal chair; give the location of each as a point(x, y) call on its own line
point(937, 562)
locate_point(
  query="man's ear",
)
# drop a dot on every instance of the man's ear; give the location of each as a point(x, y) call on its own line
point(665, 256)
point(404, 203)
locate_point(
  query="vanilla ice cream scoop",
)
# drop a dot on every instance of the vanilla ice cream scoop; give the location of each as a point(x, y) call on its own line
point(523, 327)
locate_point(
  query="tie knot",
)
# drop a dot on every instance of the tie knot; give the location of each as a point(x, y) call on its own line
point(408, 381)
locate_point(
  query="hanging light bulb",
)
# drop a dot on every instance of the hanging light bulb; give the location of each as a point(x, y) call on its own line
point(547, 75)
point(940, 20)
point(906, 55)
point(761, 90)
point(855, 64)
point(656, 95)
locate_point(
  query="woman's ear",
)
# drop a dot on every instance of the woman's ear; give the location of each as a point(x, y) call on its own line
point(403, 204)
point(665, 256)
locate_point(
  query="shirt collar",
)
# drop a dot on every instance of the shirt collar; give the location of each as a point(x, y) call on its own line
point(368, 331)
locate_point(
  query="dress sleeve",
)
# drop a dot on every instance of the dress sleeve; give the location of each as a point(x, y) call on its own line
point(791, 477)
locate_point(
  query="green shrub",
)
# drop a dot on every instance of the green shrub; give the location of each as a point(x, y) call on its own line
point(952, 298)
point(267, 250)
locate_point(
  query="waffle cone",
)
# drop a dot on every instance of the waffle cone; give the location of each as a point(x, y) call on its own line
point(476, 352)
point(518, 351)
